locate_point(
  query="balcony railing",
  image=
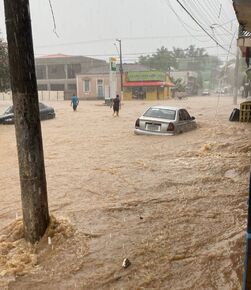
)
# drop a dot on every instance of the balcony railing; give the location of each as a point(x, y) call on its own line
point(243, 33)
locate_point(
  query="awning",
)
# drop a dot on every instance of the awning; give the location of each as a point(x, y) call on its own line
point(148, 84)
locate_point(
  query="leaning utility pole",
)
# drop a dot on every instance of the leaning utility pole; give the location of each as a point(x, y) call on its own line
point(121, 68)
point(27, 123)
point(236, 76)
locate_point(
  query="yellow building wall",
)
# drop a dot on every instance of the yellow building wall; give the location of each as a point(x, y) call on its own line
point(127, 95)
point(161, 93)
point(166, 93)
point(150, 96)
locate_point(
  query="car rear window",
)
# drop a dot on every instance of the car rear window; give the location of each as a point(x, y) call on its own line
point(160, 113)
point(41, 106)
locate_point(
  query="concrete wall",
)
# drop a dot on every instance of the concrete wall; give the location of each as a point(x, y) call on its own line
point(43, 96)
point(59, 72)
point(93, 92)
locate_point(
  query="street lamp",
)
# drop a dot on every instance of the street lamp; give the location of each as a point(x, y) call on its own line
point(120, 67)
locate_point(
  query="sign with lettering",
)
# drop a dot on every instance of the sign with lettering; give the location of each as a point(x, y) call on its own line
point(142, 76)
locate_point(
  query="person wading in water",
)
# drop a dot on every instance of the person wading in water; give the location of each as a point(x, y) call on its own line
point(116, 106)
point(74, 102)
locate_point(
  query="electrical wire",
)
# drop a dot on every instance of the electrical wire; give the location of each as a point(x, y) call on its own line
point(198, 23)
point(182, 22)
point(133, 53)
point(102, 40)
point(54, 20)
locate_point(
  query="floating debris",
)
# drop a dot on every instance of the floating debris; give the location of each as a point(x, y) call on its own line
point(126, 263)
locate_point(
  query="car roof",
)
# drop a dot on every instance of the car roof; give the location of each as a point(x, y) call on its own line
point(166, 107)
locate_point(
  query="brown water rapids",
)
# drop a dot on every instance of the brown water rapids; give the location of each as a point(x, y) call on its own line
point(174, 206)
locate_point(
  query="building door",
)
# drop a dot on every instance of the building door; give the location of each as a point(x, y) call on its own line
point(100, 89)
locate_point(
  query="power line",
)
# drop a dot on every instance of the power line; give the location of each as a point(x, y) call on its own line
point(182, 22)
point(206, 16)
point(122, 38)
point(211, 9)
point(196, 21)
point(137, 53)
point(54, 20)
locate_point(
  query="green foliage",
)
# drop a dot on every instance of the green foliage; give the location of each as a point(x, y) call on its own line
point(192, 51)
point(4, 67)
point(190, 59)
point(164, 59)
point(180, 86)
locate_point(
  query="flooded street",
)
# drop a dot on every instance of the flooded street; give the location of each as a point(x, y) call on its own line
point(174, 206)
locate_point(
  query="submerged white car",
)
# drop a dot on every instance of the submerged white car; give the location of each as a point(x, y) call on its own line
point(164, 120)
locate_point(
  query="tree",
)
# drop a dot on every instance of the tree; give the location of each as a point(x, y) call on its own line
point(193, 58)
point(162, 60)
point(165, 59)
point(4, 67)
point(178, 52)
point(180, 86)
point(192, 51)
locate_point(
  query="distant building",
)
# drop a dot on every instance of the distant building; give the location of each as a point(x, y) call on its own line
point(58, 72)
point(189, 78)
point(206, 67)
point(94, 84)
point(147, 85)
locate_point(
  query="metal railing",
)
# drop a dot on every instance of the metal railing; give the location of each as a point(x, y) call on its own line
point(43, 96)
point(243, 33)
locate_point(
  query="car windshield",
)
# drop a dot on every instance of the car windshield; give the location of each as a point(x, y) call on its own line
point(9, 111)
point(161, 113)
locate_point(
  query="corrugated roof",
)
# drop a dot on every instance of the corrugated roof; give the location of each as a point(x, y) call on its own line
point(58, 55)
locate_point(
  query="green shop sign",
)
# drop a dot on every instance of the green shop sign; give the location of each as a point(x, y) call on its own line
point(134, 76)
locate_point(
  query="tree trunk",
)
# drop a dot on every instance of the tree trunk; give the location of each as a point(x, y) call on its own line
point(27, 122)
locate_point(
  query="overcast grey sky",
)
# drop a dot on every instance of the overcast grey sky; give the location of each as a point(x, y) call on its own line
point(91, 27)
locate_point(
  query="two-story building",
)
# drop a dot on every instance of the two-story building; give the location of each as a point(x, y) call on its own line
point(58, 72)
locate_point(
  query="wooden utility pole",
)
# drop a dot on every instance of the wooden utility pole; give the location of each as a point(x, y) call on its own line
point(247, 269)
point(27, 123)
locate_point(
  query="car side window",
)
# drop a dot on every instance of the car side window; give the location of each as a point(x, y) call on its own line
point(186, 115)
point(181, 115)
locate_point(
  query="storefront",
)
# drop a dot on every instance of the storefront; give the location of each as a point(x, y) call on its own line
point(147, 85)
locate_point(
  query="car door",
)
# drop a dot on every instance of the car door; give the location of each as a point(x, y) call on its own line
point(188, 120)
point(181, 124)
point(42, 111)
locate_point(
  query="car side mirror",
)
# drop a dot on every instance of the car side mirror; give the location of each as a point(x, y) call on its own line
point(192, 118)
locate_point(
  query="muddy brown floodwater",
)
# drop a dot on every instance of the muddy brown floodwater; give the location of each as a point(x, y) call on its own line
point(174, 206)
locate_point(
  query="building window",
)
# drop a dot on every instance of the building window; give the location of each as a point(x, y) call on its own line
point(41, 87)
point(86, 86)
point(57, 87)
point(72, 70)
point(100, 88)
point(41, 72)
point(56, 71)
point(72, 87)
